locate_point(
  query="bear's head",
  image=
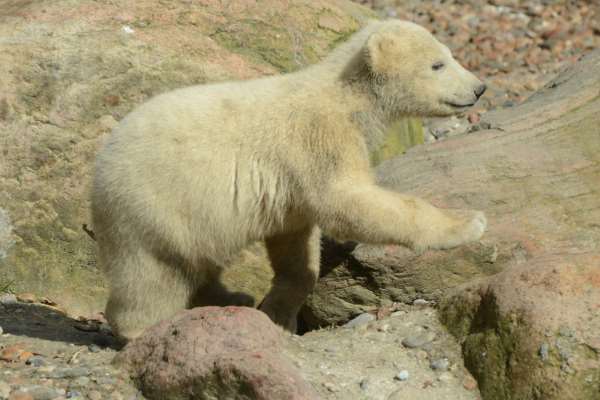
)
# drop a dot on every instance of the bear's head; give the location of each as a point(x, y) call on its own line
point(414, 74)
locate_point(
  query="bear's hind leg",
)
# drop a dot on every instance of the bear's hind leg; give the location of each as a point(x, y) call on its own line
point(213, 293)
point(295, 261)
point(145, 289)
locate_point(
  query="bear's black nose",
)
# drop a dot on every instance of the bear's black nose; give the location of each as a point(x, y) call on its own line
point(479, 90)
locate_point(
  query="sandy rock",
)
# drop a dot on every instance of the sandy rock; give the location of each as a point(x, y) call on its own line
point(212, 352)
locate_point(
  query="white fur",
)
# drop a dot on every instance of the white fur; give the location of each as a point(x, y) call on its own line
point(192, 176)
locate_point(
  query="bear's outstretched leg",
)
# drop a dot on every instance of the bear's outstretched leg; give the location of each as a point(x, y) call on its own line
point(295, 260)
point(145, 289)
point(371, 214)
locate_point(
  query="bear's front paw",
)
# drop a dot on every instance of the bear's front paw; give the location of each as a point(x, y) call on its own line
point(458, 227)
point(475, 227)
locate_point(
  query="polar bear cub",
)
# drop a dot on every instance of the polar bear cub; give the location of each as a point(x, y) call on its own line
point(192, 176)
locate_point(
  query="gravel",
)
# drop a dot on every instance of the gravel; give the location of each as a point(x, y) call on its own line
point(47, 358)
point(544, 351)
point(440, 364)
point(362, 319)
point(402, 375)
point(418, 340)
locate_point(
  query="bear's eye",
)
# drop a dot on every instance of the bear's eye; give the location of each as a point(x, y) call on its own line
point(437, 66)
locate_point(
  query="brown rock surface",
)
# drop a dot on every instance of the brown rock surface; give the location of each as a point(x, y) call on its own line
point(214, 353)
point(532, 330)
point(69, 70)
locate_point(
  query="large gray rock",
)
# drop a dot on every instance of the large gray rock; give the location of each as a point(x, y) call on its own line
point(214, 353)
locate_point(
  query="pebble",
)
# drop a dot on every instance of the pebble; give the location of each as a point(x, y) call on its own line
point(36, 361)
point(18, 395)
point(364, 384)
point(74, 372)
point(544, 351)
point(362, 319)
point(93, 348)
point(1, 331)
point(95, 395)
point(420, 302)
point(45, 392)
point(8, 299)
point(418, 340)
point(402, 375)
point(81, 381)
point(119, 396)
point(440, 364)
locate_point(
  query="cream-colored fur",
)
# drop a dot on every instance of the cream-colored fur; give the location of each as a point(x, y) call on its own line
point(192, 176)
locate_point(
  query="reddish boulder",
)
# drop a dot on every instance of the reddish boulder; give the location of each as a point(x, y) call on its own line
point(214, 353)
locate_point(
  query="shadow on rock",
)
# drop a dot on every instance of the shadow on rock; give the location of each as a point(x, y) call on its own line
point(38, 321)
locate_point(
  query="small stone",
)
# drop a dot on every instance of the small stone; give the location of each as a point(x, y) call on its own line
point(1, 331)
point(73, 394)
point(364, 384)
point(440, 364)
point(81, 381)
point(94, 348)
point(18, 395)
point(384, 328)
point(8, 298)
point(398, 313)
point(35, 361)
point(94, 395)
point(116, 396)
point(45, 392)
point(469, 383)
point(402, 375)
point(544, 350)
point(420, 302)
point(74, 372)
point(473, 117)
point(418, 340)
point(106, 381)
point(27, 298)
point(12, 353)
point(362, 319)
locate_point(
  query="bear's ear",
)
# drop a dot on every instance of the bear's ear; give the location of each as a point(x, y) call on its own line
point(381, 51)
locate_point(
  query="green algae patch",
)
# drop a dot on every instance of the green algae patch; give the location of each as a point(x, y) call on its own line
point(401, 136)
point(511, 360)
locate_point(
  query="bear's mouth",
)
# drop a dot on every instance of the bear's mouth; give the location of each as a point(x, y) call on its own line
point(457, 105)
